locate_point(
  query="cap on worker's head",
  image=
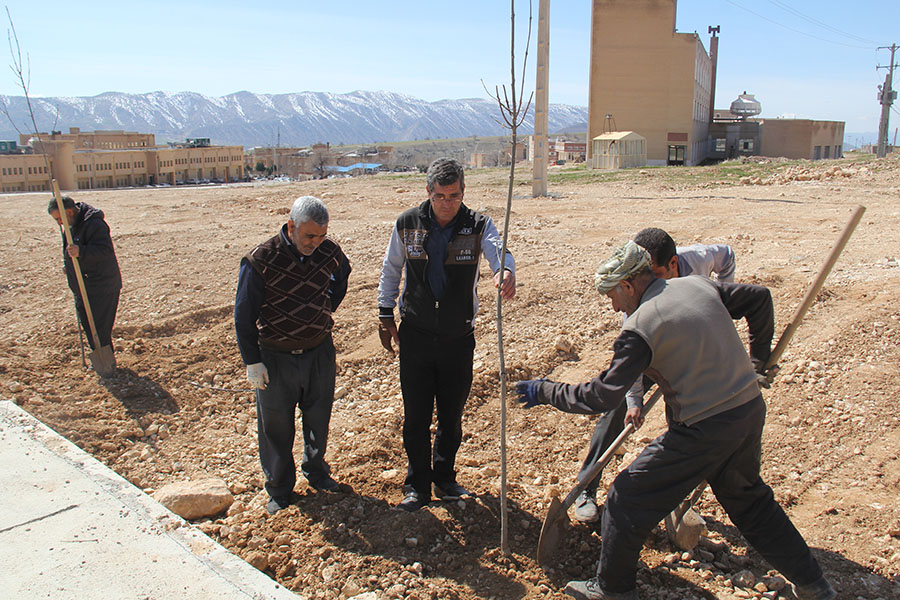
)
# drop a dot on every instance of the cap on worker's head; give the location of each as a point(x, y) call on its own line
point(627, 261)
point(53, 206)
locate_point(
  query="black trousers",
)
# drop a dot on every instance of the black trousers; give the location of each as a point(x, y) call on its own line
point(609, 426)
point(725, 451)
point(305, 380)
point(434, 373)
point(103, 308)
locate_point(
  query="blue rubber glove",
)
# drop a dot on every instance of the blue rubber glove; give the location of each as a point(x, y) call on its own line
point(528, 392)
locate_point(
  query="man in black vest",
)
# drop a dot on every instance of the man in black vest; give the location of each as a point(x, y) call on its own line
point(439, 244)
point(93, 247)
point(680, 332)
point(288, 287)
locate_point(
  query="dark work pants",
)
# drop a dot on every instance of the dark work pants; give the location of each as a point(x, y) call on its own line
point(609, 426)
point(103, 308)
point(725, 451)
point(433, 373)
point(305, 380)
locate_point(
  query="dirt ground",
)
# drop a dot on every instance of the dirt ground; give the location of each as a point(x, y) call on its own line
point(180, 408)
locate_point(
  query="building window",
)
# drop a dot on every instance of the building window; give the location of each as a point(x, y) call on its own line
point(817, 152)
point(827, 152)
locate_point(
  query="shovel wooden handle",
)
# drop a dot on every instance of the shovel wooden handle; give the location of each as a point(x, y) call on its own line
point(813, 290)
point(68, 233)
point(588, 476)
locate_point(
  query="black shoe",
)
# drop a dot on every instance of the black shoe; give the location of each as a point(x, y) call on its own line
point(276, 504)
point(326, 484)
point(413, 501)
point(450, 491)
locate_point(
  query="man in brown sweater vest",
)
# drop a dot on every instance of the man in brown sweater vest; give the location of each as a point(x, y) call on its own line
point(288, 287)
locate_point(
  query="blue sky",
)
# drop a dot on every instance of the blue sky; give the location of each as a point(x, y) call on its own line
point(804, 58)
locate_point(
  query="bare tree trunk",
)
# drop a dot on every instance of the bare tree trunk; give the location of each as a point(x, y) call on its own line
point(513, 114)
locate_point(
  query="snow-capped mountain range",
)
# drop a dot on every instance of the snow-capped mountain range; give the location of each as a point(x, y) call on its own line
point(297, 119)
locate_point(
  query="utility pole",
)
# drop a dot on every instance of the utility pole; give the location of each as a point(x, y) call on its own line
point(886, 96)
point(541, 103)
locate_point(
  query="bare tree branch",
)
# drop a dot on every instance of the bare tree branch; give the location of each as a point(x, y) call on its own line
point(22, 70)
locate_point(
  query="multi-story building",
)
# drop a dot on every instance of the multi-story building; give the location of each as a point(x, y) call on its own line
point(648, 78)
point(108, 159)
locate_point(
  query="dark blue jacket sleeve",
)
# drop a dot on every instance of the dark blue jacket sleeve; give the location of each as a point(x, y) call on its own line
point(247, 302)
point(339, 280)
point(631, 356)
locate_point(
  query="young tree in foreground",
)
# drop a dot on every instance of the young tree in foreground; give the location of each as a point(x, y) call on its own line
point(513, 113)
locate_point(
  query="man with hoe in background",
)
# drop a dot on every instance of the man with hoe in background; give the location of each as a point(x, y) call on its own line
point(93, 248)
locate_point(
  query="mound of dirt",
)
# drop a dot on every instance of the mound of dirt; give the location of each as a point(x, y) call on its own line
point(180, 408)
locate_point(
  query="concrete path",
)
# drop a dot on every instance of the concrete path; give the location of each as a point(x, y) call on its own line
point(72, 528)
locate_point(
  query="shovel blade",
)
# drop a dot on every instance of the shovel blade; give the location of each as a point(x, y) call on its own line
point(555, 527)
point(103, 360)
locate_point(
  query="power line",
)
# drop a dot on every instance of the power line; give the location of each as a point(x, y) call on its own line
point(797, 13)
point(815, 37)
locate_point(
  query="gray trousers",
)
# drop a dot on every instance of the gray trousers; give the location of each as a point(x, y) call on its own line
point(295, 380)
point(725, 451)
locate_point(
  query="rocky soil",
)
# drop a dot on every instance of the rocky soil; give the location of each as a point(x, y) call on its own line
point(180, 408)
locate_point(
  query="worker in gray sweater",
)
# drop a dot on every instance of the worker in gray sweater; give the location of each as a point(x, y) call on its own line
point(667, 262)
point(680, 333)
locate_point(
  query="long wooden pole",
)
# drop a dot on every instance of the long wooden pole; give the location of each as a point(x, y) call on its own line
point(813, 290)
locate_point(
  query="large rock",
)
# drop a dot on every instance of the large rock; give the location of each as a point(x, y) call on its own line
point(195, 499)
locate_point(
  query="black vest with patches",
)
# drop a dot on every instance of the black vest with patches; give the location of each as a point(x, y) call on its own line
point(452, 316)
point(296, 312)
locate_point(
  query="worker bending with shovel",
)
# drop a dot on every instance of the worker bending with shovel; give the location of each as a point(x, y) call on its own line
point(680, 333)
point(91, 251)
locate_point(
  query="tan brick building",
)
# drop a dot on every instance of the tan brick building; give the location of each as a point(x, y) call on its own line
point(802, 138)
point(648, 78)
point(107, 159)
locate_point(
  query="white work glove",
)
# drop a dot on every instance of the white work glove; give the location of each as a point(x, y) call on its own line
point(258, 375)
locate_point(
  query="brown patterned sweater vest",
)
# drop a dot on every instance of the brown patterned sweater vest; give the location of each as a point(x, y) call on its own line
point(296, 312)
